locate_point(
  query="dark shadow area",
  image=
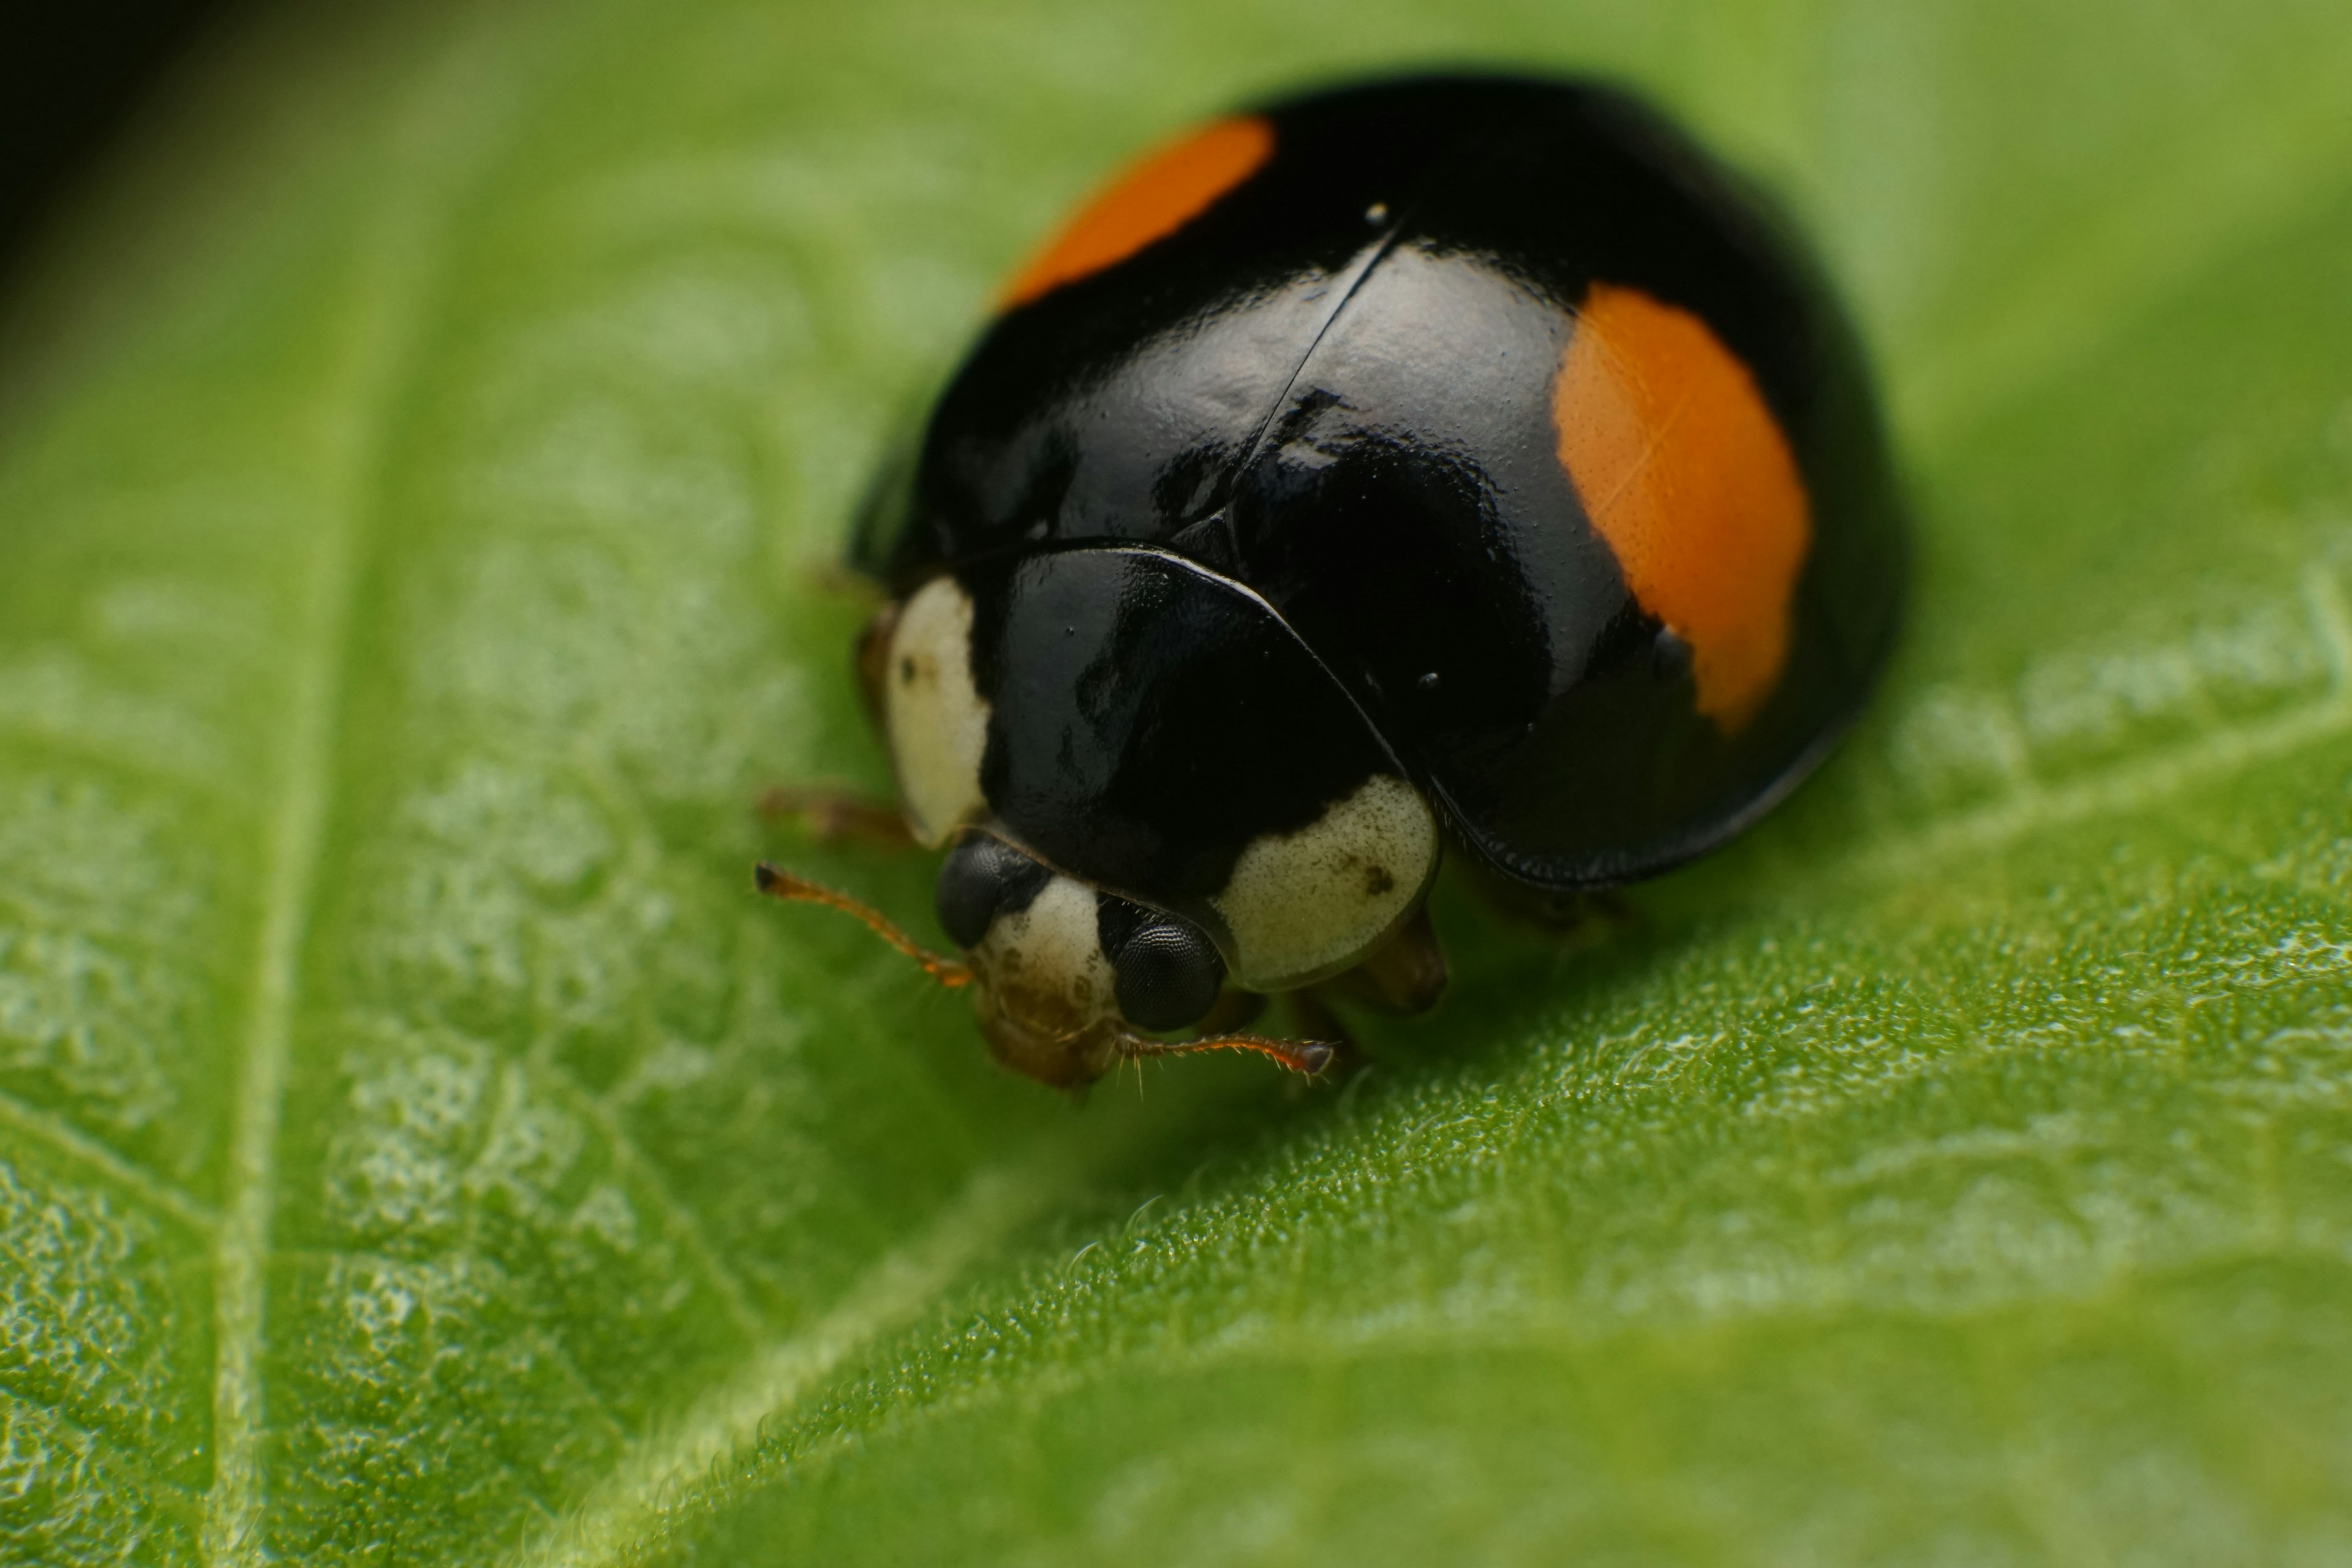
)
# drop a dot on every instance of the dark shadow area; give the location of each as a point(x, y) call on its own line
point(71, 75)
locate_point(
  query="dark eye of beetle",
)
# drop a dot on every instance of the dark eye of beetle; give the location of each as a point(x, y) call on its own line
point(982, 879)
point(1165, 971)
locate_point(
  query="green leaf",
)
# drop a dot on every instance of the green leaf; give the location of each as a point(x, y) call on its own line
point(421, 463)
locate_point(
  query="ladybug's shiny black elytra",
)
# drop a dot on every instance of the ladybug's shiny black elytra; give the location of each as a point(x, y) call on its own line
point(1451, 460)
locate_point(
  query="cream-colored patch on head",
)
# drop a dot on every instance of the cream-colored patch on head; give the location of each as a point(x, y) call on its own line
point(1304, 905)
point(1054, 946)
point(1044, 993)
point(938, 725)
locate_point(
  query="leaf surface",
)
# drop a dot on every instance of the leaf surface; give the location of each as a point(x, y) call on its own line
point(422, 462)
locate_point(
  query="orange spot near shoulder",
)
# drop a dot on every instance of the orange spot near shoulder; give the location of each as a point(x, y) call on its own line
point(1159, 195)
point(1685, 473)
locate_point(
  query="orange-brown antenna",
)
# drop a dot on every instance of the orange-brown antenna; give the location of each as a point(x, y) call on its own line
point(799, 889)
point(1304, 1057)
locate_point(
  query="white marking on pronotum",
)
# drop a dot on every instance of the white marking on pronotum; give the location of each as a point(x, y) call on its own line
point(1303, 905)
point(938, 724)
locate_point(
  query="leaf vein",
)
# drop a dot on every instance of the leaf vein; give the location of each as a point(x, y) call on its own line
point(674, 1471)
point(389, 292)
point(681, 1221)
point(63, 1138)
point(2218, 754)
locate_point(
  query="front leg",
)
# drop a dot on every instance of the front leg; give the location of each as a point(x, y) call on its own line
point(1311, 1015)
point(830, 814)
point(1403, 976)
point(1580, 917)
point(837, 815)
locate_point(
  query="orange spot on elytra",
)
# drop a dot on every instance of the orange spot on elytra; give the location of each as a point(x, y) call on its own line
point(1159, 195)
point(1685, 473)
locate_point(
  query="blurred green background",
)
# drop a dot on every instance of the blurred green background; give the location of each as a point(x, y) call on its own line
point(423, 450)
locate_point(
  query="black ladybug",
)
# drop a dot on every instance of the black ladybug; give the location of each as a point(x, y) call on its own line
point(1451, 460)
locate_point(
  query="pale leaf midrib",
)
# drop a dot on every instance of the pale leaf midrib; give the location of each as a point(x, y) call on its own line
point(2213, 754)
point(1563, 1334)
point(391, 263)
point(234, 1504)
point(680, 1467)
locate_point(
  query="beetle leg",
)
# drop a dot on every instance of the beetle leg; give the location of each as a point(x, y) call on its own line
point(839, 816)
point(834, 815)
point(1310, 1009)
point(872, 659)
point(1405, 975)
point(1582, 917)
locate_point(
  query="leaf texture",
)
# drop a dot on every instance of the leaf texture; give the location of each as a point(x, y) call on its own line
point(422, 462)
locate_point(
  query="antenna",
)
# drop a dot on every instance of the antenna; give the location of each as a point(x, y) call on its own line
point(1307, 1057)
point(800, 889)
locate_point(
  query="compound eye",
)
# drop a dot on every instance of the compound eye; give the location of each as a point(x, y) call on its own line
point(1166, 974)
point(982, 879)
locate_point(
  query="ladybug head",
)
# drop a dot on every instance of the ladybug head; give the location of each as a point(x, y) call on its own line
point(1065, 975)
point(1065, 978)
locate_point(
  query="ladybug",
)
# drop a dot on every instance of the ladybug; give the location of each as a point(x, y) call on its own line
point(1452, 462)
